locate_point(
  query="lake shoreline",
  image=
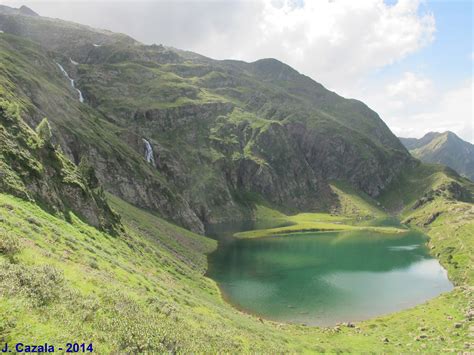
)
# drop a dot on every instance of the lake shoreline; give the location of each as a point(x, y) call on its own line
point(227, 297)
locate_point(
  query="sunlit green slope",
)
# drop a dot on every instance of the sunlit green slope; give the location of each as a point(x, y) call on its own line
point(145, 290)
point(231, 140)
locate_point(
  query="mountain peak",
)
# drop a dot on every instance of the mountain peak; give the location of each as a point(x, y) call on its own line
point(451, 135)
point(25, 10)
point(22, 10)
point(273, 68)
point(446, 135)
point(445, 148)
point(431, 135)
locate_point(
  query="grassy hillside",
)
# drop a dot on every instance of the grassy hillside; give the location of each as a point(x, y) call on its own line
point(451, 228)
point(226, 135)
point(355, 203)
point(145, 291)
point(421, 184)
point(354, 211)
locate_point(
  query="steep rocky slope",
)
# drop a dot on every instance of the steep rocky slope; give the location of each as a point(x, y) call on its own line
point(443, 148)
point(224, 134)
point(33, 169)
point(30, 76)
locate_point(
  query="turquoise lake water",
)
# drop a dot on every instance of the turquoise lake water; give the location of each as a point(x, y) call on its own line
point(325, 278)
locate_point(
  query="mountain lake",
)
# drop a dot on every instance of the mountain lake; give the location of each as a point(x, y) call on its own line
point(324, 278)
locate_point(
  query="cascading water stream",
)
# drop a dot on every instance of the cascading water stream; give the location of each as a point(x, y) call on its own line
point(148, 152)
point(81, 98)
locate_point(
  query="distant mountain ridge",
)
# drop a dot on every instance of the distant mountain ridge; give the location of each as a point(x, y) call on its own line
point(443, 148)
point(23, 10)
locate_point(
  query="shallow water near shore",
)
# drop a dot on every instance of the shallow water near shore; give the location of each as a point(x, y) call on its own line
point(325, 278)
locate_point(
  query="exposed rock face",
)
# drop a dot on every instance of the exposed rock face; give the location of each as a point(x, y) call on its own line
point(138, 187)
point(163, 120)
point(287, 165)
point(336, 158)
point(279, 171)
point(35, 170)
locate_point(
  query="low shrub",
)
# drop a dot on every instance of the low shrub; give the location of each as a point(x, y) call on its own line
point(9, 245)
point(41, 284)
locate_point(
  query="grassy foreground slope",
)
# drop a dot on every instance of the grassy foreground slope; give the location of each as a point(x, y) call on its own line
point(145, 290)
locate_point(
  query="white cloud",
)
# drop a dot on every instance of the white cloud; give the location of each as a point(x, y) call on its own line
point(336, 42)
point(454, 112)
point(412, 106)
point(411, 88)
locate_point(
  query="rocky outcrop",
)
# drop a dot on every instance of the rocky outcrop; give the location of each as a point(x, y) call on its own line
point(163, 120)
point(366, 166)
point(33, 169)
point(136, 182)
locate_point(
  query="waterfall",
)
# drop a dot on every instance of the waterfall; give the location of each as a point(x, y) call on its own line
point(81, 98)
point(148, 152)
